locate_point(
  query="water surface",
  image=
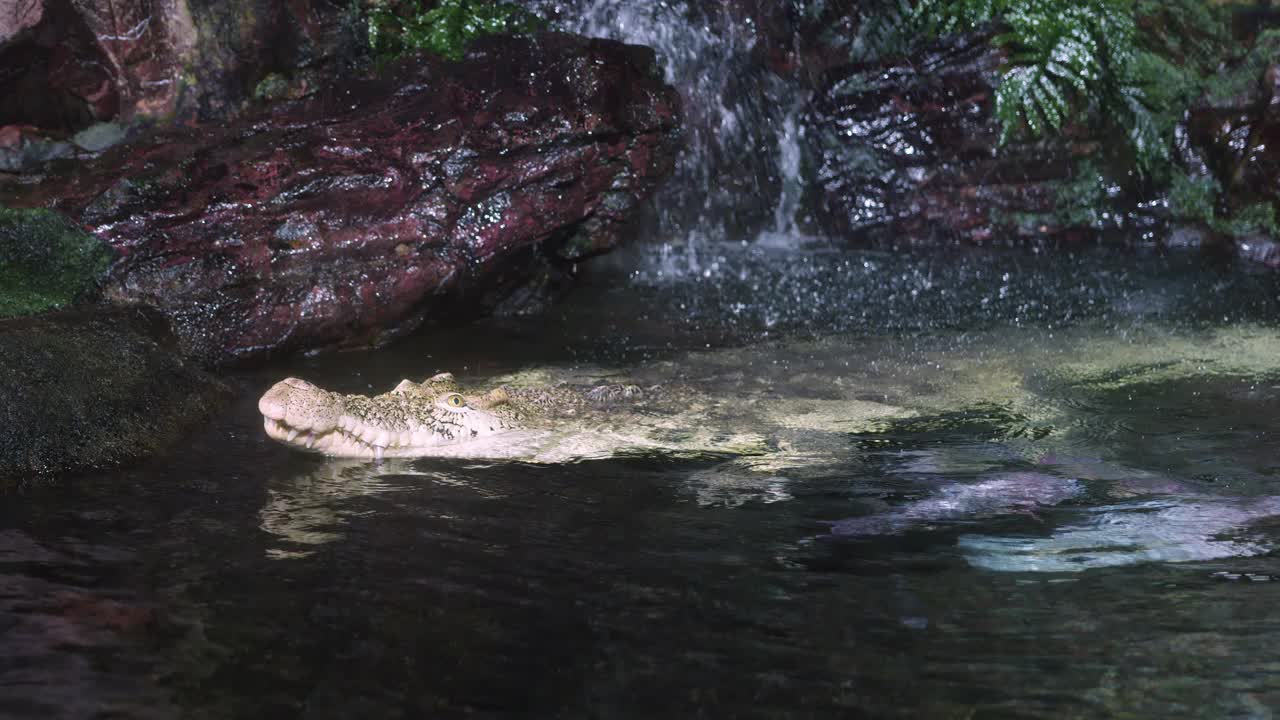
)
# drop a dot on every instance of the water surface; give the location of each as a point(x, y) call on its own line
point(998, 485)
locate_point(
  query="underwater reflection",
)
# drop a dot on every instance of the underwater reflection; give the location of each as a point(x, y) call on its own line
point(306, 510)
point(60, 611)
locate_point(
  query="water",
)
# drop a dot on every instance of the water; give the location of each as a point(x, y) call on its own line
point(999, 485)
point(741, 133)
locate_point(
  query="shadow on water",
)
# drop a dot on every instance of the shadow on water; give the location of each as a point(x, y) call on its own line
point(1058, 499)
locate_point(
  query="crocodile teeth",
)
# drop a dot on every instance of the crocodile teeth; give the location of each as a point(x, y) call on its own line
point(292, 434)
point(309, 440)
point(377, 452)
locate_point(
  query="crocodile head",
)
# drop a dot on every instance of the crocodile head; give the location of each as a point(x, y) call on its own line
point(413, 420)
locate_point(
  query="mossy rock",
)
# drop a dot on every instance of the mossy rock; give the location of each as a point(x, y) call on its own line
point(92, 388)
point(46, 261)
point(443, 27)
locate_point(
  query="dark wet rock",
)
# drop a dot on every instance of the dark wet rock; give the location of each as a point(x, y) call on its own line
point(907, 150)
point(69, 63)
point(1232, 144)
point(346, 218)
point(83, 62)
point(88, 389)
point(1260, 249)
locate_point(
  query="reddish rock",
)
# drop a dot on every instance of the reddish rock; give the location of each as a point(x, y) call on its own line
point(81, 62)
point(337, 220)
point(18, 15)
point(69, 63)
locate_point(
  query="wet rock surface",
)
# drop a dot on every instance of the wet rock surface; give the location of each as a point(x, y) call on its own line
point(907, 151)
point(70, 63)
point(1234, 140)
point(89, 389)
point(345, 218)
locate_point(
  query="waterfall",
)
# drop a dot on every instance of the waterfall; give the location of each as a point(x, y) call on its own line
point(739, 176)
point(785, 228)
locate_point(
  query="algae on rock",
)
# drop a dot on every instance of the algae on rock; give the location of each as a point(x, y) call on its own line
point(445, 29)
point(46, 261)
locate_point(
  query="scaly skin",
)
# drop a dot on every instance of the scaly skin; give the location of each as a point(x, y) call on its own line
point(433, 418)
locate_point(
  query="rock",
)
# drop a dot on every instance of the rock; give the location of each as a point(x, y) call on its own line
point(1259, 249)
point(344, 218)
point(70, 63)
point(46, 262)
point(907, 151)
point(90, 389)
point(92, 61)
point(18, 17)
point(1233, 136)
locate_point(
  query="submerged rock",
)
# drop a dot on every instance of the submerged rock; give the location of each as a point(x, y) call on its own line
point(81, 390)
point(349, 217)
point(1015, 492)
point(1176, 529)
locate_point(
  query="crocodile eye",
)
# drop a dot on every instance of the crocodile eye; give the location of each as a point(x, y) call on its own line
point(455, 400)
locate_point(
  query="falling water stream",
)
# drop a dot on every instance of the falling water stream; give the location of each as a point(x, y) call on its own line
point(740, 118)
point(987, 484)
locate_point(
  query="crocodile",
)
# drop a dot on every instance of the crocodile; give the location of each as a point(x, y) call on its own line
point(438, 417)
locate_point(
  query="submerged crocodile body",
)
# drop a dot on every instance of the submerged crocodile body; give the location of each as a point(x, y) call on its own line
point(439, 418)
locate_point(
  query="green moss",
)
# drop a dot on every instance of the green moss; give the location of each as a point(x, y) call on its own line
point(445, 28)
point(45, 261)
point(272, 87)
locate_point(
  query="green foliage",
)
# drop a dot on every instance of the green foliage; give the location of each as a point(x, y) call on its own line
point(1083, 201)
point(45, 261)
point(1132, 65)
point(884, 28)
point(1194, 199)
point(1067, 59)
point(1242, 79)
point(272, 87)
point(1257, 218)
point(1199, 200)
point(1127, 68)
point(445, 28)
